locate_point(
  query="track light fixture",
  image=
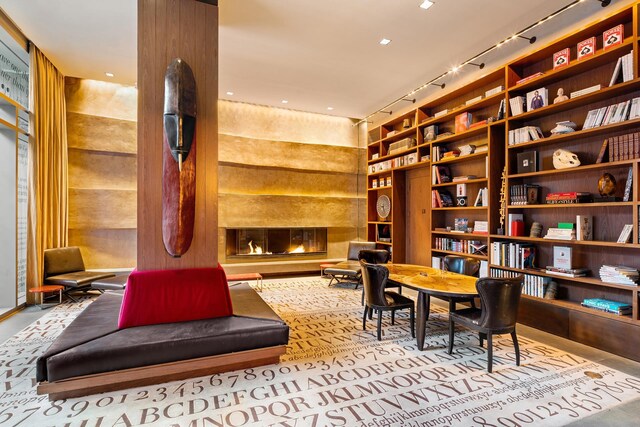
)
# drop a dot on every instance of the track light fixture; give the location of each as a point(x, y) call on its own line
point(472, 61)
point(604, 3)
point(532, 40)
point(385, 112)
point(413, 101)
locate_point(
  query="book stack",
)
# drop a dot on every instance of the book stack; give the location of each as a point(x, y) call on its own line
point(407, 159)
point(479, 123)
point(482, 198)
point(623, 147)
point(481, 227)
point(439, 153)
point(533, 285)
point(494, 91)
point(513, 255)
point(525, 134)
point(473, 100)
point(441, 113)
point(568, 272)
point(517, 105)
point(615, 113)
point(615, 307)
point(619, 274)
point(624, 65)
point(585, 91)
point(568, 198)
point(451, 154)
point(401, 145)
point(462, 178)
point(557, 233)
point(531, 77)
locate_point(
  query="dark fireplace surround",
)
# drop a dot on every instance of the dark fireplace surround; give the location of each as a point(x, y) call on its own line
point(260, 243)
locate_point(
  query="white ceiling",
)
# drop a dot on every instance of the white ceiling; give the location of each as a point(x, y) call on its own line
point(314, 53)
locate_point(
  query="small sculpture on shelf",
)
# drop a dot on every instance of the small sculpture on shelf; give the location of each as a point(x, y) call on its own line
point(607, 185)
point(565, 159)
point(536, 230)
point(561, 96)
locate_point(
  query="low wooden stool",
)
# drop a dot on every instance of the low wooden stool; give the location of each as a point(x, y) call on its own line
point(246, 276)
point(47, 288)
point(323, 266)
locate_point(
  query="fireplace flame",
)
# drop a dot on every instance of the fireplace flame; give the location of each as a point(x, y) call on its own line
point(298, 250)
point(255, 249)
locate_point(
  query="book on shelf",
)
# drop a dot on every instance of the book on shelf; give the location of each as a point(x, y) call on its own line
point(501, 110)
point(477, 124)
point(484, 268)
point(510, 219)
point(517, 105)
point(466, 149)
point(623, 70)
point(568, 198)
point(568, 272)
point(613, 37)
point(609, 306)
point(562, 258)
point(533, 285)
point(441, 113)
point(586, 48)
point(430, 132)
point(603, 151)
point(513, 254)
point(556, 233)
point(461, 190)
point(436, 262)
point(584, 227)
point(624, 147)
point(447, 200)
point(461, 178)
point(585, 91)
point(441, 174)
point(451, 154)
point(625, 234)
point(462, 122)
point(481, 227)
point(619, 274)
point(628, 185)
point(531, 77)
point(527, 161)
point(525, 134)
point(561, 58)
point(482, 148)
point(461, 224)
point(494, 91)
point(473, 100)
point(614, 113)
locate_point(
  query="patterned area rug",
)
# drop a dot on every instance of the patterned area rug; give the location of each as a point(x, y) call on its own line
point(334, 374)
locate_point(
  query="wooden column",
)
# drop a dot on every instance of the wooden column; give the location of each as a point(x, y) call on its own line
point(168, 29)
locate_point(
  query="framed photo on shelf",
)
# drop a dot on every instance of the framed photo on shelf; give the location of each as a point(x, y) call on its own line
point(537, 99)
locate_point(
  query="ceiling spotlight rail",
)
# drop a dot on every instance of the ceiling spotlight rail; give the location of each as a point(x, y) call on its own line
point(473, 60)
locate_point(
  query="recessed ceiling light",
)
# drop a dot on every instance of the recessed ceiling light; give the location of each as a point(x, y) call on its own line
point(284, 101)
point(385, 42)
point(426, 4)
point(108, 74)
point(330, 108)
point(230, 93)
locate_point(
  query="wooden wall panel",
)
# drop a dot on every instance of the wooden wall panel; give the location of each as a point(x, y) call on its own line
point(106, 248)
point(102, 170)
point(102, 208)
point(101, 133)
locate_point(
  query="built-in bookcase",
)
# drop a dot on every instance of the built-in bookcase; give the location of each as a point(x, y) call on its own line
point(564, 316)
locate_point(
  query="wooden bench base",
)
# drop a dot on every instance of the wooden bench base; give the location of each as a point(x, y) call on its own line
point(156, 374)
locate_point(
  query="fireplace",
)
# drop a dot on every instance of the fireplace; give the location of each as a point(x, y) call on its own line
point(248, 243)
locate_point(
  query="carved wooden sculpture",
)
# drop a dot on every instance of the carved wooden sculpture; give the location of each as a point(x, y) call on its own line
point(178, 158)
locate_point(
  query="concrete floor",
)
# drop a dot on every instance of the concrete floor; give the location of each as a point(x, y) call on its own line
point(619, 416)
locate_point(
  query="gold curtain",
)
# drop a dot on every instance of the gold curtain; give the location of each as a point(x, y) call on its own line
point(48, 214)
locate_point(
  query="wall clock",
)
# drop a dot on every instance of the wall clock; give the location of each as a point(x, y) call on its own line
point(383, 207)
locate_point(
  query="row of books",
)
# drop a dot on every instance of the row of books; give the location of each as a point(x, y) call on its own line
point(615, 307)
point(513, 255)
point(624, 64)
point(407, 159)
point(525, 134)
point(442, 153)
point(524, 194)
point(568, 198)
point(474, 247)
point(615, 113)
point(533, 285)
point(440, 174)
point(619, 274)
point(441, 199)
point(623, 147)
point(482, 199)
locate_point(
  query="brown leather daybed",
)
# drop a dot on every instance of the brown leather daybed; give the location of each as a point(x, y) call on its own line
point(94, 355)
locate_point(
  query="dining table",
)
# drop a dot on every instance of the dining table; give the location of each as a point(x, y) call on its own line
point(432, 282)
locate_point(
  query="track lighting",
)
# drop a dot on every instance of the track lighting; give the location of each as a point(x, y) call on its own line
point(604, 3)
point(532, 40)
point(480, 65)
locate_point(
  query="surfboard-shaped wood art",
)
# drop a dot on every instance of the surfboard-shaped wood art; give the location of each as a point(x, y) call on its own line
point(178, 158)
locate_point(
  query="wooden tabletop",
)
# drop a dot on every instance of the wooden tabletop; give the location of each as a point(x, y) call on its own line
point(432, 280)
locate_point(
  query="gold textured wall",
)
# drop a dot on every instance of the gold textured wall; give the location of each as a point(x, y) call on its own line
point(101, 129)
point(278, 168)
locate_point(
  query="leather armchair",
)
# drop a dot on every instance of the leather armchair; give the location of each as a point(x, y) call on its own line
point(349, 271)
point(499, 300)
point(65, 266)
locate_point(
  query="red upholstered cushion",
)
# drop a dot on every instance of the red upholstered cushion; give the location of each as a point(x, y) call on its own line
point(168, 296)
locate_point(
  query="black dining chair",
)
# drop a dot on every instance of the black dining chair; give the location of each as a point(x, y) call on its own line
point(462, 265)
point(498, 312)
point(377, 256)
point(374, 279)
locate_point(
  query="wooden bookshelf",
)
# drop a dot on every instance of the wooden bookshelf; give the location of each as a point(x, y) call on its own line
point(414, 221)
